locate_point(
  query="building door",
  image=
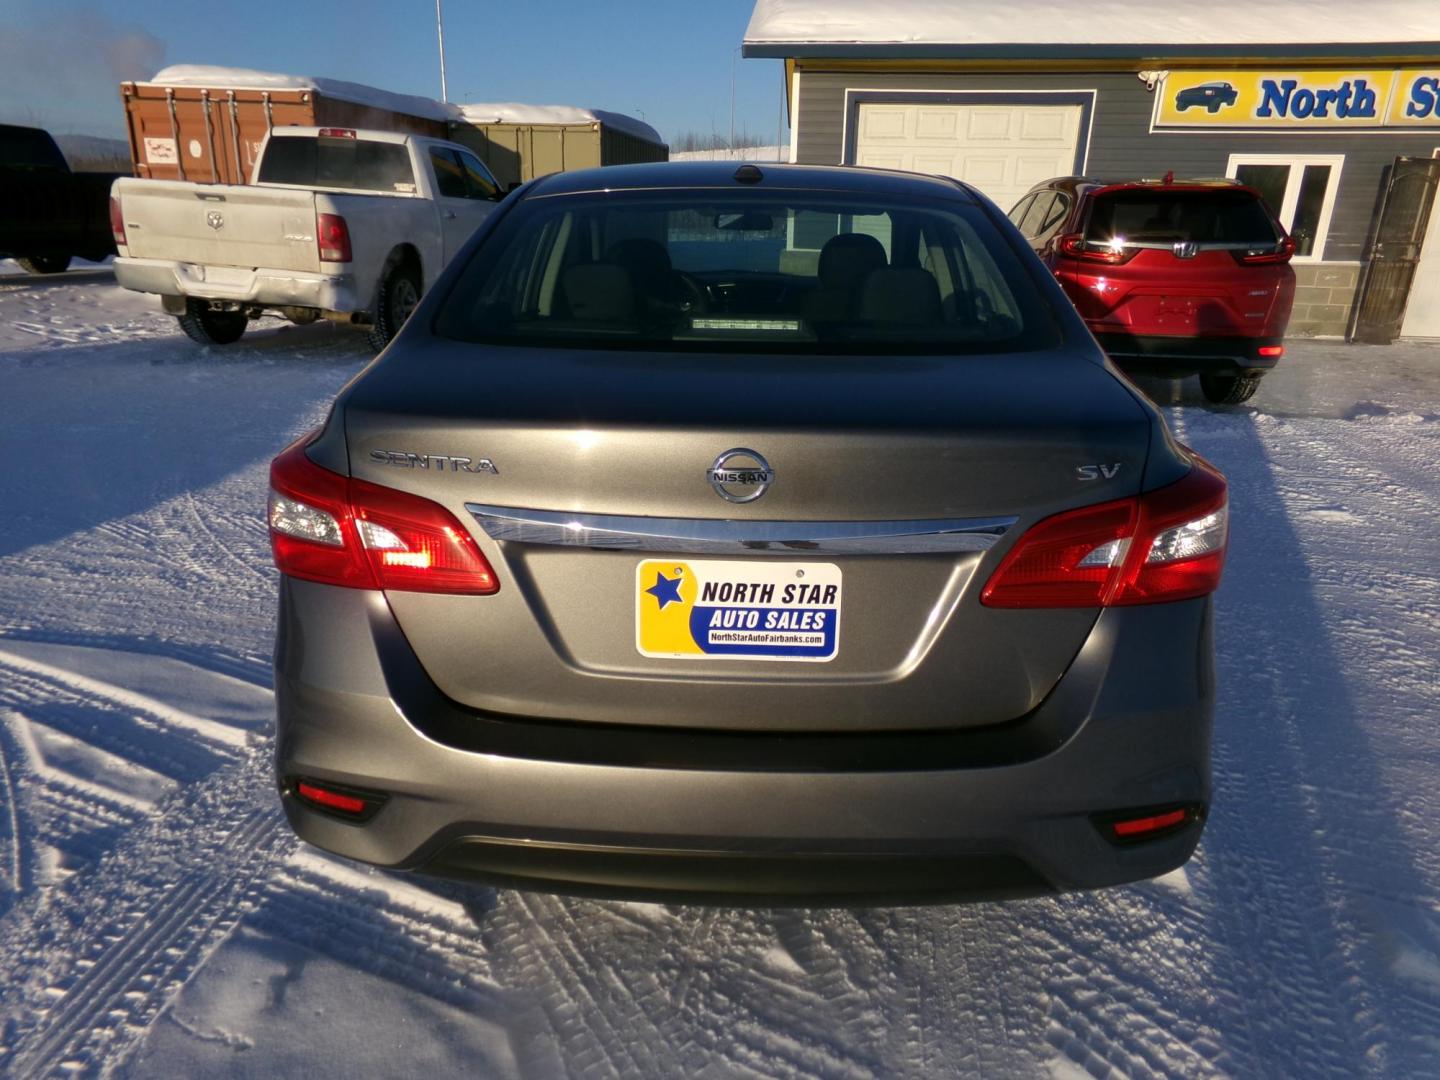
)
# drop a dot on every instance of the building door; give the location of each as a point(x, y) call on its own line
point(1003, 149)
point(1422, 313)
point(1395, 252)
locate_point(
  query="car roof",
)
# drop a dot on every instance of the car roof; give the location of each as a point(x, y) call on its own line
point(773, 176)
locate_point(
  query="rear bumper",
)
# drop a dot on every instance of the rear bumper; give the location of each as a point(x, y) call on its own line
point(260, 287)
point(521, 804)
point(1155, 354)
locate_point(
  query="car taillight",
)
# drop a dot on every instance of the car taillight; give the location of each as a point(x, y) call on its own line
point(1279, 252)
point(1167, 544)
point(1273, 352)
point(340, 531)
point(117, 221)
point(1076, 246)
point(333, 236)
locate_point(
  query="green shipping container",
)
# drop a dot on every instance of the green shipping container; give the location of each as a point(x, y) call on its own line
point(521, 142)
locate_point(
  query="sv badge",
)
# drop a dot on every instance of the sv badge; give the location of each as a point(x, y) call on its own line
point(1097, 472)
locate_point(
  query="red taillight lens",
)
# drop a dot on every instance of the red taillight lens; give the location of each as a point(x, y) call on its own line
point(1076, 246)
point(1280, 252)
point(1165, 545)
point(328, 528)
point(117, 221)
point(416, 545)
point(337, 133)
point(333, 236)
point(1272, 350)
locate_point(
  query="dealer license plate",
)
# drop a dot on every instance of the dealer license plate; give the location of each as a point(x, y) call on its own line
point(715, 609)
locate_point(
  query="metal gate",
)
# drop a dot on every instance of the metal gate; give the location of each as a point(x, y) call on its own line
point(1395, 252)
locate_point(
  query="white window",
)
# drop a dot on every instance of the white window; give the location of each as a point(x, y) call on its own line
point(1301, 191)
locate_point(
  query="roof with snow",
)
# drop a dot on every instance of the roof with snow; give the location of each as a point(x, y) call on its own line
point(414, 105)
point(1095, 29)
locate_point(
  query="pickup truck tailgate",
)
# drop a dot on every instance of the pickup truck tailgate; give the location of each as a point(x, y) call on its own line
point(219, 225)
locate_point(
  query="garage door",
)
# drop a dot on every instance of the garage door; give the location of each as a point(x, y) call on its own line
point(1002, 149)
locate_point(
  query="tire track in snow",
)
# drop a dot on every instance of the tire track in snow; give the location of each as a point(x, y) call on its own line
point(17, 826)
point(139, 927)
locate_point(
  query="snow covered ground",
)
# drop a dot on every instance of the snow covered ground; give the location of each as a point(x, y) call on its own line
point(158, 919)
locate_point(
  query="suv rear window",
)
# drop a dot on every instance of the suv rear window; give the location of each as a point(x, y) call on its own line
point(782, 272)
point(348, 164)
point(1218, 216)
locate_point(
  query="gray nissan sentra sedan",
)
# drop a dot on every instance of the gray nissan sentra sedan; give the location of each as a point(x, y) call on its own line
point(763, 535)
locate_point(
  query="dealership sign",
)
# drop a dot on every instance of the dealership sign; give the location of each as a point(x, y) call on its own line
point(1298, 100)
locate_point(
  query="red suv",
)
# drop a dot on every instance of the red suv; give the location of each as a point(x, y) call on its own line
point(1173, 277)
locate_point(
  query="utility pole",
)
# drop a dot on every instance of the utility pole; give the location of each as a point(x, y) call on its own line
point(733, 54)
point(440, 33)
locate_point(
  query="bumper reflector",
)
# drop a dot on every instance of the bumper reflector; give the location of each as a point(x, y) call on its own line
point(1272, 350)
point(1141, 827)
point(338, 801)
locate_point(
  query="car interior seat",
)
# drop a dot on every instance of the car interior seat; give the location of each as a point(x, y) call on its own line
point(901, 295)
point(597, 293)
point(845, 262)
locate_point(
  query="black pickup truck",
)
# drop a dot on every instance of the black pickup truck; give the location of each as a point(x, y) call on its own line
point(48, 214)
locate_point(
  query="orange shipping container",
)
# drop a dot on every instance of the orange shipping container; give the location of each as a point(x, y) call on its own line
point(206, 124)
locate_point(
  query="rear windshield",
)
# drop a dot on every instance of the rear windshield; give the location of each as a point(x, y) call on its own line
point(1203, 217)
point(349, 164)
point(730, 271)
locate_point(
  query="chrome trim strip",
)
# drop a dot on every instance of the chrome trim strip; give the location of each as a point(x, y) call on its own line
point(715, 536)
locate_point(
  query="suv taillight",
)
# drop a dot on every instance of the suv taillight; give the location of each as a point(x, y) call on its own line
point(341, 531)
point(1167, 544)
point(1076, 246)
point(333, 236)
point(1282, 251)
point(117, 221)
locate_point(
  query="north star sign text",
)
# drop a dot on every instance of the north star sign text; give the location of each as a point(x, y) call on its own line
point(1278, 97)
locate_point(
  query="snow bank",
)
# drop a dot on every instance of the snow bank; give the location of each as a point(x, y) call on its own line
point(513, 112)
point(740, 153)
point(489, 113)
point(1108, 22)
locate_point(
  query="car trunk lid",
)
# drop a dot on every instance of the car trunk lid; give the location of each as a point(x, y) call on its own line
point(898, 480)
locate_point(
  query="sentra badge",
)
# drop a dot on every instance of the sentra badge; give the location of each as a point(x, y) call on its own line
point(439, 462)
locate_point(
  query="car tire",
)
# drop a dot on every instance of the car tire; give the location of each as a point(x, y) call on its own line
point(1229, 389)
point(207, 327)
point(398, 294)
point(45, 264)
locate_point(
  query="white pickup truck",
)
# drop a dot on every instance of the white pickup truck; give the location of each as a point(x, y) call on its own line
point(339, 223)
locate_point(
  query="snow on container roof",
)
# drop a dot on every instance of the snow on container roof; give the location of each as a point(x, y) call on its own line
point(236, 78)
point(513, 112)
point(501, 113)
point(1098, 28)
